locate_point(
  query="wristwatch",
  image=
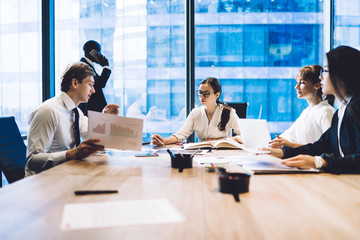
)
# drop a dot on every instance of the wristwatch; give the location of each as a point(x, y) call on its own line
point(318, 162)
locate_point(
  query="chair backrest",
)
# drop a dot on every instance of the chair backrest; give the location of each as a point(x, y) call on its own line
point(12, 150)
point(240, 108)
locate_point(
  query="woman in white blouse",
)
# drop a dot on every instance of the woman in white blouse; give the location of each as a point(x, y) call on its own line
point(316, 118)
point(213, 120)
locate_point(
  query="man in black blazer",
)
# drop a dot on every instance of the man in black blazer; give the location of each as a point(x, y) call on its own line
point(92, 51)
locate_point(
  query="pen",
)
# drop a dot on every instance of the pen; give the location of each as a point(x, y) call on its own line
point(195, 152)
point(170, 152)
point(167, 149)
point(158, 139)
point(85, 192)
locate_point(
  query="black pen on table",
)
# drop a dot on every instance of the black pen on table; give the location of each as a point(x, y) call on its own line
point(85, 192)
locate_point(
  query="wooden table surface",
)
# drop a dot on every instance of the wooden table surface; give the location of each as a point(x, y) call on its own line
point(283, 206)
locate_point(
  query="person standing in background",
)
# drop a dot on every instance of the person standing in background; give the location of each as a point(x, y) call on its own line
point(92, 52)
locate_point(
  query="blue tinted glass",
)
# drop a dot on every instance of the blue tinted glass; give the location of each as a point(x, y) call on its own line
point(255, 48)
point(144, 42)
point(20, 60)
point(347, 23)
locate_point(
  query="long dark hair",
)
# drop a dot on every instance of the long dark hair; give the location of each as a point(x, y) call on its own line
point(311, 73)
point(344, 66)
point(225, 114)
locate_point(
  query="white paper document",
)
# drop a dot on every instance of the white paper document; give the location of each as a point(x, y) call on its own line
point(116, 132)
point(262, 163)
point(116, 214)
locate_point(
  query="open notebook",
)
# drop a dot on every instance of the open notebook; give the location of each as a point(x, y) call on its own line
point(216, 144)
point(254, 132)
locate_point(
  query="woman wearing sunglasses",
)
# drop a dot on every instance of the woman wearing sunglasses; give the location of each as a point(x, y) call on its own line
point(338, 149)
point(213, 120)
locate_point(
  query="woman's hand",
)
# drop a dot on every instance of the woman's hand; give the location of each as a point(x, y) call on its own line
point(300, 161)
point(278, 142)
point(274, 152)
point(157, 140)
point(111, 108)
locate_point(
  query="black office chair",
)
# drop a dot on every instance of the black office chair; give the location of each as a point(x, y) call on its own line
point(12, 150)
point(241, 108)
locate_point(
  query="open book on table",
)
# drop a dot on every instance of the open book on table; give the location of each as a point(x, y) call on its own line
point(223, 143)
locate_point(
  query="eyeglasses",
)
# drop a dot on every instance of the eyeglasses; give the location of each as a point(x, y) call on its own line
point(206, 94)
point(322, 71)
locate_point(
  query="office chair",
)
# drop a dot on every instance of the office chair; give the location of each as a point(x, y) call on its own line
point(241, 108)
point(12, 150)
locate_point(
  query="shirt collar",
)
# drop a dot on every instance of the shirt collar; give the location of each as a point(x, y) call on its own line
point(346, 100)
point(89, 61)
point(69, 103)
point(323, 102)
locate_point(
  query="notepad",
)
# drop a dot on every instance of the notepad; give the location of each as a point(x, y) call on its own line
point(120, 213)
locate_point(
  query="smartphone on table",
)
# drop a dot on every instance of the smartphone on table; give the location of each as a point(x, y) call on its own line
point(147, 154)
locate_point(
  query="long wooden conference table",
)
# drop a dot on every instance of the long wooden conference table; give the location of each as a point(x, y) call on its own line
point(278, 206)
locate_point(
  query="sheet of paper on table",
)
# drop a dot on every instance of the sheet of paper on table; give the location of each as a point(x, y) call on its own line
point(121, 213)
point(262, 163)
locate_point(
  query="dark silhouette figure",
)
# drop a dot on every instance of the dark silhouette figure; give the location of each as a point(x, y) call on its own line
point(97, 101)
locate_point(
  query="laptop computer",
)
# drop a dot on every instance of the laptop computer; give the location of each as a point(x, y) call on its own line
point(254, 132)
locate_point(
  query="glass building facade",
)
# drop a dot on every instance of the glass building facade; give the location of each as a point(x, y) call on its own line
point(254, 47)
point(347, 23)
point(20, 59)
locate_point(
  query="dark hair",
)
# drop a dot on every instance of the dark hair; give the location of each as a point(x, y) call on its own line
point(90, 45)
point(311, 73)
point(344, 65)
point(225, 114)
point(78, 70)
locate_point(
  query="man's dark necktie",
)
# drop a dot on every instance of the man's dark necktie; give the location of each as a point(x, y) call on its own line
point(76, 127)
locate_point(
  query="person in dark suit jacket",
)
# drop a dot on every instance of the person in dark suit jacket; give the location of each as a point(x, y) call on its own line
point(338, 149)
point(92, 51)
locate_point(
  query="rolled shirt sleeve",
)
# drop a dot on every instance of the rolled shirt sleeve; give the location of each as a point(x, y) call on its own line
point(188, 128)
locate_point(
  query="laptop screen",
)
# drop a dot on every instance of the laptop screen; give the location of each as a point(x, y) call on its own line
point(254, 132)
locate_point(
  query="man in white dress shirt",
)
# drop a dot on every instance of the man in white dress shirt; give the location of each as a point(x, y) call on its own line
point(56, 126)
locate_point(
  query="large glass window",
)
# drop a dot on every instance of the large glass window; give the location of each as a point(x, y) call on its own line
point(255, 49)
point(20, 59)
point(144, 42)
point(347, 23)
